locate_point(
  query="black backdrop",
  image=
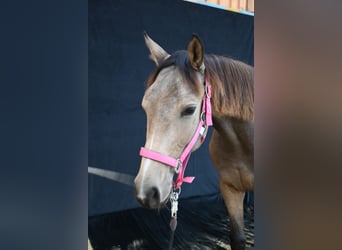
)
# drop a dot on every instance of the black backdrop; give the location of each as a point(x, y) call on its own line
point(118, 69)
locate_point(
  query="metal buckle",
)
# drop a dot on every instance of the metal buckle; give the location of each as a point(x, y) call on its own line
point(175, 194)
point(179, 165)
point(174, 204)
point(174, 201)
point(202, 130)
point(203, 117)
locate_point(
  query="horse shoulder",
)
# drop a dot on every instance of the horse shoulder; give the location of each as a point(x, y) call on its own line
point(231, 150)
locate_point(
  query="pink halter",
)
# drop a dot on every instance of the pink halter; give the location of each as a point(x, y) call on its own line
point(180, 163)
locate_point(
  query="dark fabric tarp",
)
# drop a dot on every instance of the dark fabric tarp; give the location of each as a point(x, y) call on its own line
point(118, 68)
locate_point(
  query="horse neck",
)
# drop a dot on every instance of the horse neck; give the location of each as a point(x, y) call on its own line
point(233, 114)
point(235, 135)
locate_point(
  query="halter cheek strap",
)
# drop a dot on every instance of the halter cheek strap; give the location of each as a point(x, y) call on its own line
point(180, 163)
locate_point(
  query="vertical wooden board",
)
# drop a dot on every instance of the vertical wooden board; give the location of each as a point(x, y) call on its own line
point(225, 3)
point(213, 1)
point(250, 5)
point(235, 4)
point(243, 5)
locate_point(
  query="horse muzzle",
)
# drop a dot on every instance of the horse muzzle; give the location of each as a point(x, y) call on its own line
point(149, 198)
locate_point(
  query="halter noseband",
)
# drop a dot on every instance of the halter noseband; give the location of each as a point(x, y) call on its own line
point(180, 163)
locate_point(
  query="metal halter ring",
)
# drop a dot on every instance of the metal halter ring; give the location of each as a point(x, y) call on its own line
point(203, 118)
point(179, 165)
point(177, 191)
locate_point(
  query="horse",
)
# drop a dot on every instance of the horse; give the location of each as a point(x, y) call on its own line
point(172, 102)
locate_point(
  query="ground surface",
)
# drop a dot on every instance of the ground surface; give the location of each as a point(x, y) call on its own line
point(203, 223)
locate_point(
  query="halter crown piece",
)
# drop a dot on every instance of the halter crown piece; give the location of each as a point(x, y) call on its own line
point(180, 163)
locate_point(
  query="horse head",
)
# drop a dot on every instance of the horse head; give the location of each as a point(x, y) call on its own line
point(172, 103)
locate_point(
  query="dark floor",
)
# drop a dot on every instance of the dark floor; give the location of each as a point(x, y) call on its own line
point(203, 223)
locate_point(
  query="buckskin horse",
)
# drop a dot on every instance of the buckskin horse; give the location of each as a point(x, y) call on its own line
point(187, 92)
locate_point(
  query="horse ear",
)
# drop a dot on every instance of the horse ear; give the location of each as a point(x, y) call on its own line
point(196, 53)
point(158, 54)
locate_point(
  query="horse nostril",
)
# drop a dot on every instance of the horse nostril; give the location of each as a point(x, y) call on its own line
point(154, 193)
point(153, 198)
point(150, 199)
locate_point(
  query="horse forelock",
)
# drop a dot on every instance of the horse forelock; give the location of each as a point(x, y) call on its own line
point(181, 61)
point(232, 86)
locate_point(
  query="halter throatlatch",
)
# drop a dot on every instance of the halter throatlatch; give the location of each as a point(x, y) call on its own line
point(179, 164)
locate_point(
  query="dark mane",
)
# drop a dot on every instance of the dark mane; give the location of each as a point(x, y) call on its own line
point(232, 86)
point(180, 60)
point(232, 82)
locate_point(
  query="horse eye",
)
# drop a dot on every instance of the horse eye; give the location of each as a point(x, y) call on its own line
point(188, 111)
